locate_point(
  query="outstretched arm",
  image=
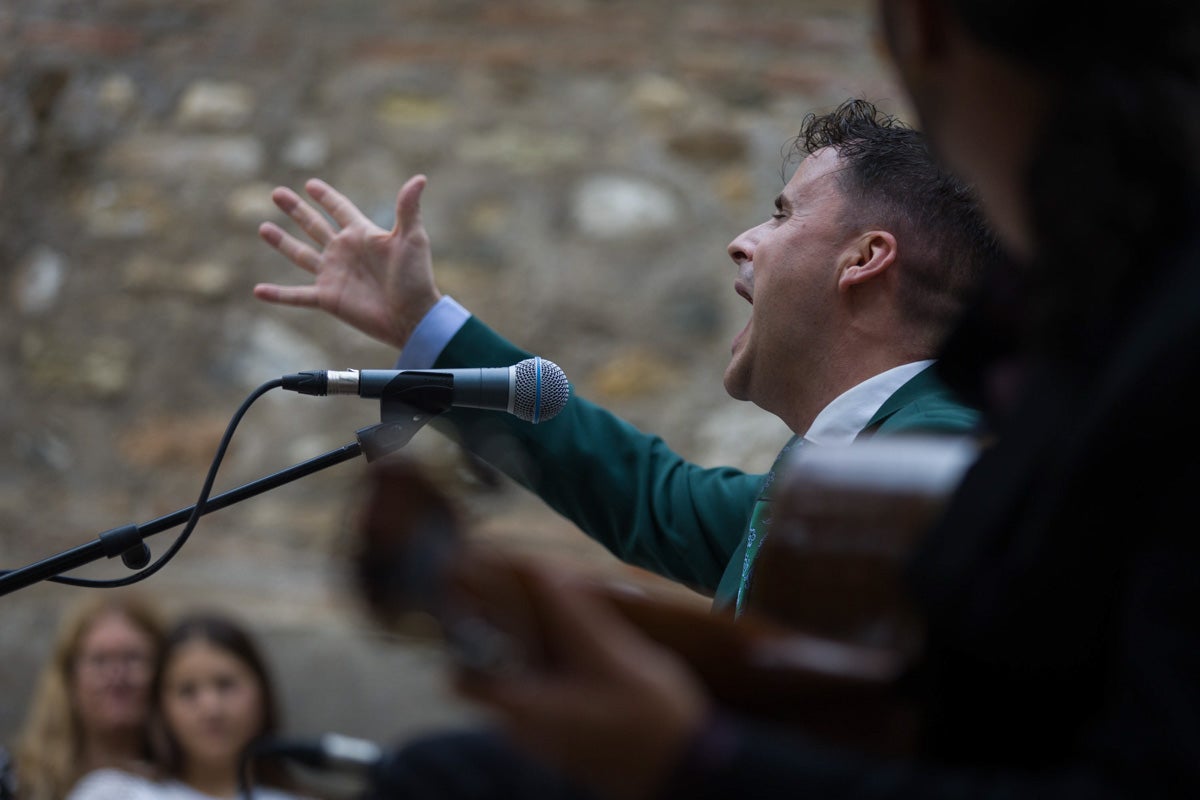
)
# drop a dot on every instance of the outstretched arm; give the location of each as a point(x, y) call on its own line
point(375, 280)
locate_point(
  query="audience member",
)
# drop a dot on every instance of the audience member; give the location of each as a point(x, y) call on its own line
point(90, 705)
point(1062, 616)
point(213, 699)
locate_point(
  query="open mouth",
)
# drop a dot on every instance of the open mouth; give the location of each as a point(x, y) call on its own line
point(742, 291)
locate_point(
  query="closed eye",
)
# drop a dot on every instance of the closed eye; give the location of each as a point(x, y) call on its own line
point(780, 210)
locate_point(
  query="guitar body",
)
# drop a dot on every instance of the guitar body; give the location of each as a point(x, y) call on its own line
point(845, 520)
point(827, 633)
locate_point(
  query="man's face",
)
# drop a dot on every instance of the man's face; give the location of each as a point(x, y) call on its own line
point(788, 272)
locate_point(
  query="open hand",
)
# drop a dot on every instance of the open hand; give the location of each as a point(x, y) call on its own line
point(377, 281)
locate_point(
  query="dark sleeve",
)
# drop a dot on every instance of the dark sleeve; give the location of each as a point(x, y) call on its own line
point(1137, 736)
point(624, 488)
point(8, 777)
point(736, 757)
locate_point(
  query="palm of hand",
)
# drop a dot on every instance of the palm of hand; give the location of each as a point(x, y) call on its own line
point(377, 281)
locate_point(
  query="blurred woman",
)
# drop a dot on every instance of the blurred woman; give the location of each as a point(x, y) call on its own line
point(214, 698)
point(91, 703)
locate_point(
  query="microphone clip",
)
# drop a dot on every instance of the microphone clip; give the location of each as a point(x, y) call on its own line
point(400, 400)
point(402, 414)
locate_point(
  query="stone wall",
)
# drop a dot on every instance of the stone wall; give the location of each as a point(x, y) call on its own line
point(589, 160)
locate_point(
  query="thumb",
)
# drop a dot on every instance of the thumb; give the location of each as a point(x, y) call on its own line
point(408, 204)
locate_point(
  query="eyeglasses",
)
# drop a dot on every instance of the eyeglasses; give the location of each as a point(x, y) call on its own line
point(128, 661)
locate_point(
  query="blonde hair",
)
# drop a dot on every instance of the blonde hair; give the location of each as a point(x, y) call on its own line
point(49, 753)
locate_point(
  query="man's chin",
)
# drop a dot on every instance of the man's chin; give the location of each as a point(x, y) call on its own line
point(735, 386)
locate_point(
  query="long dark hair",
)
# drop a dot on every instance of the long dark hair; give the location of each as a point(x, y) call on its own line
point(222, 632)
point(1117, 167)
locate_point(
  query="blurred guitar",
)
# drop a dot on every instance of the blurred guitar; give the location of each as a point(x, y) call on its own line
point(827, 633)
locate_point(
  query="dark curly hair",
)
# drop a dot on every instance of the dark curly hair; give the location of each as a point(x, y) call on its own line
point(892, 180)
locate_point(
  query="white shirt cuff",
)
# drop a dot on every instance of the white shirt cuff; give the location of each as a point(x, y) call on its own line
point(432, 334)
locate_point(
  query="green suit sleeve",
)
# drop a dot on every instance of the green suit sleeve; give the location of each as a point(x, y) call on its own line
point(624, 488)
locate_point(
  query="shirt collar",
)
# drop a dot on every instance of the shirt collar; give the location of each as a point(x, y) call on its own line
point(840, 422)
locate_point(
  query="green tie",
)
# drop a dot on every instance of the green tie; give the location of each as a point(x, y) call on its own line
point(760, 520)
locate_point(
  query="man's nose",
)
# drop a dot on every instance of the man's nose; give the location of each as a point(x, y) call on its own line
point(741, 249)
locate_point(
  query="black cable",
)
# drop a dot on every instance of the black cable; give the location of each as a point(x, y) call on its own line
point(245, 785)
point(197, 510)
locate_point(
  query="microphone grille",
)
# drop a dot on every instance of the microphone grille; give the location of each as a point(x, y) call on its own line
point(541, 390)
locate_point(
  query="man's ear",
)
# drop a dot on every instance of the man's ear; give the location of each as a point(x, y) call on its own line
point(868, 257)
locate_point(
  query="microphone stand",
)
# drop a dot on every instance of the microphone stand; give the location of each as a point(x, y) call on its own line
point(402, 413)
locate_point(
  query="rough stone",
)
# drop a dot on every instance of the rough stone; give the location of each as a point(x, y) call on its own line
point(38, 281)
point(215, 105)
point(589, 161)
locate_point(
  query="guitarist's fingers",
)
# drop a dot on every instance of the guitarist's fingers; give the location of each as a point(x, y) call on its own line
point(609, 706)
point(514, 596)
point(595, 662)
point(493, 586)
point(578, 625)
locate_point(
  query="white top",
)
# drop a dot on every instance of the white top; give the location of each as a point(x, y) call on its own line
point(116, 784)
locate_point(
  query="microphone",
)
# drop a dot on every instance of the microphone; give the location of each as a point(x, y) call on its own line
point(330, 751)
point(534, 389)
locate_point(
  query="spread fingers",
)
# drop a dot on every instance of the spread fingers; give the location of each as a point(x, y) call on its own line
point(308, 218)
point(296, 251)
point(336, 204)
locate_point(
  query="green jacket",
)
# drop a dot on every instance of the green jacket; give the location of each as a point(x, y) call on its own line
point(627, 489)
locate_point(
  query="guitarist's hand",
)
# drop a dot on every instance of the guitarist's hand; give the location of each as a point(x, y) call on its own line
point(604, 703)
